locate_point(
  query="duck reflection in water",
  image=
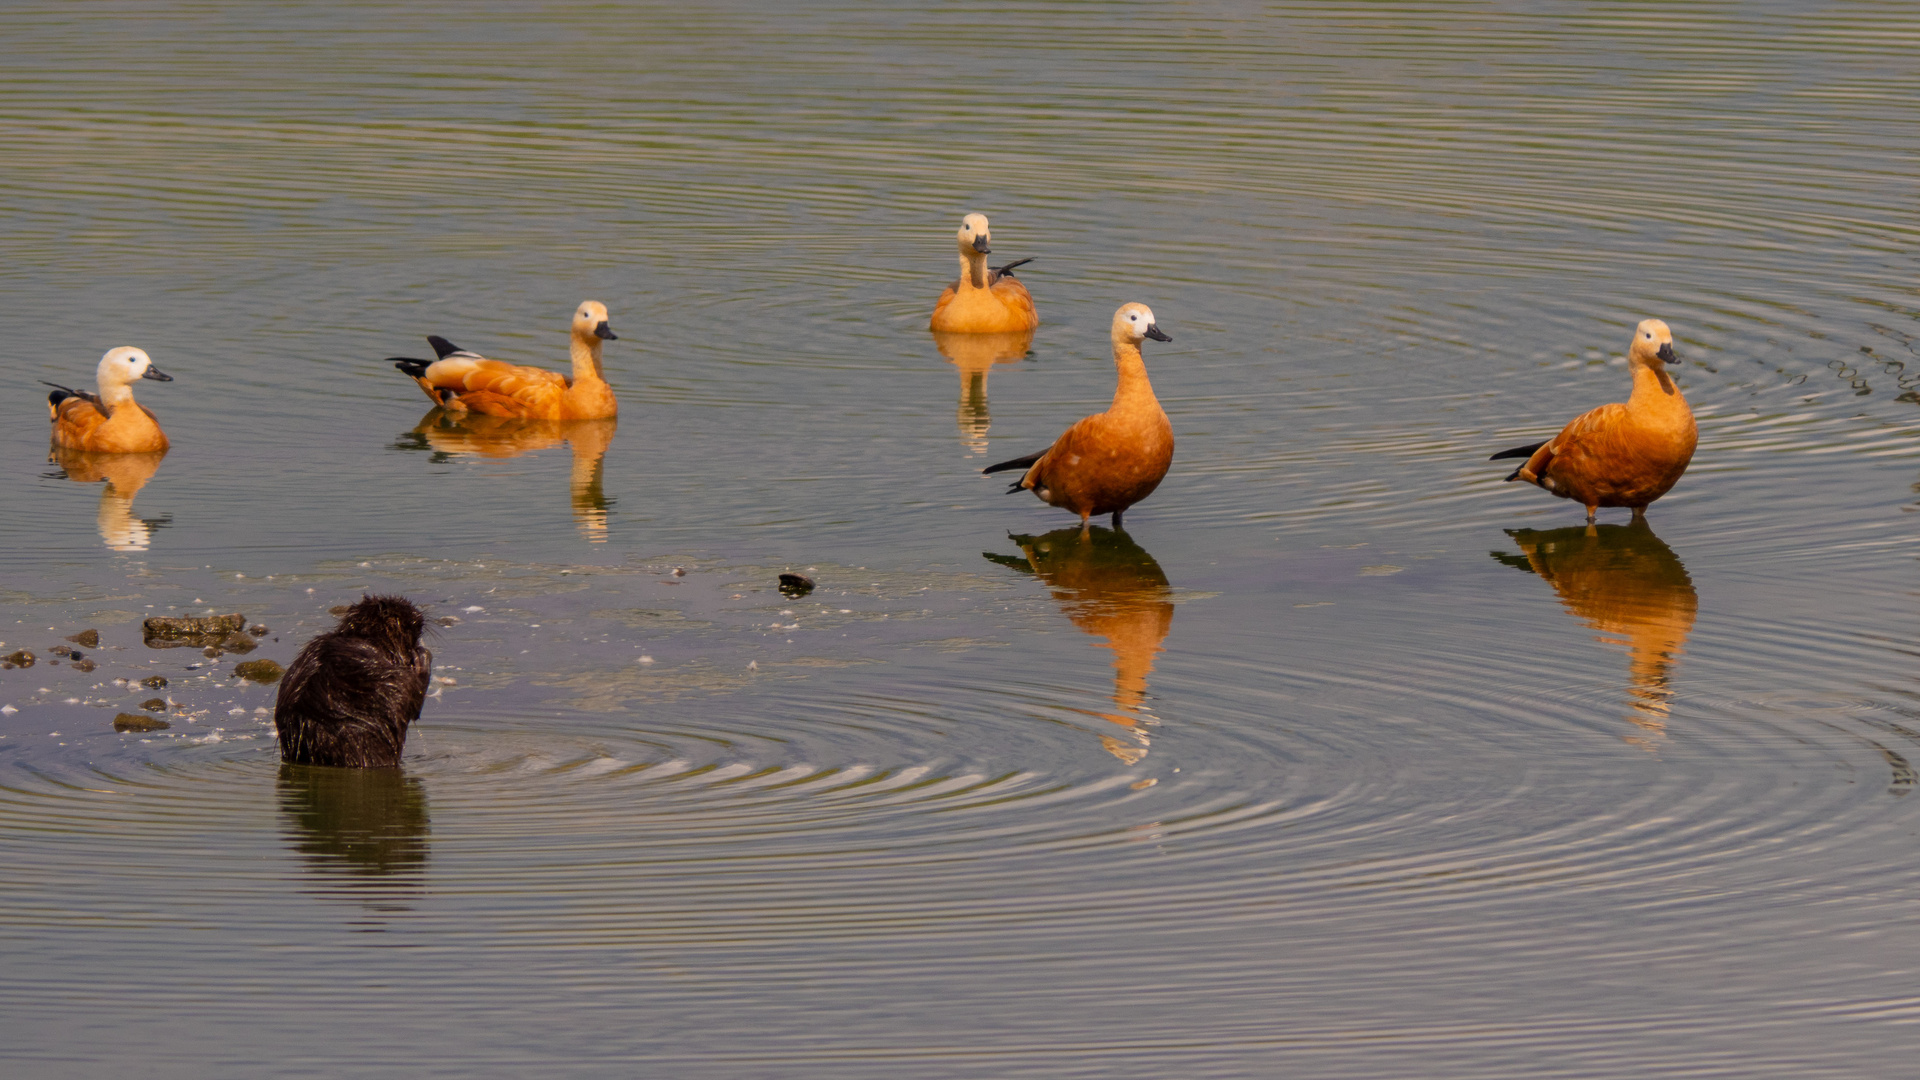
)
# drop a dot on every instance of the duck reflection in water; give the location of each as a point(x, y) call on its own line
point(450, 433)
point(1625, 582)
point(1111, 588)
point(125, 475)
point(975, 355)
point(361, 829)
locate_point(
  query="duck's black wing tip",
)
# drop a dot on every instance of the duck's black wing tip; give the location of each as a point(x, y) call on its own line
point(1519, 451)
point(415, 368)
point(1007, 270)
point(1023, 462)
point(442, 348)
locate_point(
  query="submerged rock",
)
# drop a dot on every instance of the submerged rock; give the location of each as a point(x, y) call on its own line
point(64, 650)
point(154, 682)
point(22, 658)
point(155, 704)
point(89, 638)
point(258, 629)
point(796, 584)
point(260, 671)
point(184, 628)
point(127, 721)
point(83, 665)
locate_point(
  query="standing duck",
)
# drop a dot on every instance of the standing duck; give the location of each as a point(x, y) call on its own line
point(109, 422)
point(460, 380)
point(1110, 460)
point(983, 301)
point(1620, 455)
point(350, 694)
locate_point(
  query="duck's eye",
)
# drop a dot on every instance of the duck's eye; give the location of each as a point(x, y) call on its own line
point(1133, 318)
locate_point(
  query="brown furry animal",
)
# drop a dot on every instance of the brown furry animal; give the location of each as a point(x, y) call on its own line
point(352, 691)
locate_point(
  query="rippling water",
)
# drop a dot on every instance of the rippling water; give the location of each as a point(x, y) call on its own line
point(1346, 760)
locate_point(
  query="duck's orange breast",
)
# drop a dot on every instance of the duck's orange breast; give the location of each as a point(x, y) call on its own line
point(1106, 462)
point(1004, 307)
point(78, 424)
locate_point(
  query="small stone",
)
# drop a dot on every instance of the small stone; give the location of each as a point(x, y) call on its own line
point(83, 665)
point(210, 652)
point(89, 638)
point(155, 704)
point(127, 721)
point(796, 584)
point(260, 671)
point(170, 628)
point(339, 609)
point(23, 658)
point(154, 682)
point(258, 629)
point(61, 650)
point(447, 620)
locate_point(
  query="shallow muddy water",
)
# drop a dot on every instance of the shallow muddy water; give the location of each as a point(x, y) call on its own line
point(1345, 759)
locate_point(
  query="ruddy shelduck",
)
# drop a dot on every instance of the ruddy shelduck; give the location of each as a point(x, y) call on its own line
point(1110, 460)
point(466, 381)
point(1620, 455)
point(109, 422)
point(983, 301)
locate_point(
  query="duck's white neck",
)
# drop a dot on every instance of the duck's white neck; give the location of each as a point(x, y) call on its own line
point(116, 394)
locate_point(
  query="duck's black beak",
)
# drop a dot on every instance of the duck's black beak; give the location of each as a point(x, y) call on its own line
point(605, 332)
point(1666, 353)
point(1157, 334)
point(156, 374)
point(980, 244)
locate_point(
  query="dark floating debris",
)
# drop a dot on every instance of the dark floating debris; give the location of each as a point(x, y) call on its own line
point(127, 721)
point(22, 658)
point(154, 682)
point(260, 671)
point(155, 704)
point(796, 584)
point(88, 638)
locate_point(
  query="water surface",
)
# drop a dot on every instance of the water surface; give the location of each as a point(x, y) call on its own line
point(1345, 759)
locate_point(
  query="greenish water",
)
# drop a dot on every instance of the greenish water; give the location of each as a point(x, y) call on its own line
point(1346, 760)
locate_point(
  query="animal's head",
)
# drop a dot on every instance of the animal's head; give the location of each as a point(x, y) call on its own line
point(590, 321)
point(1652, 343)
point(1134, 322)
point(124, 365)
point(390, 621)
point(975, 235)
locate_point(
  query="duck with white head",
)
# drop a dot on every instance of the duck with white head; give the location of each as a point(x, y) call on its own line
point(465, 381)
point(109, 421)
point(982, 300)
point(1110, 460)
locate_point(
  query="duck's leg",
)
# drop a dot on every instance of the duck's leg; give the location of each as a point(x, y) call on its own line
point(1592, 510)
point(1116, 519)
point(1639, 513)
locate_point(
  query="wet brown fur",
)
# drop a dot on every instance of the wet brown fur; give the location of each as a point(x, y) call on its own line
point(348, 697)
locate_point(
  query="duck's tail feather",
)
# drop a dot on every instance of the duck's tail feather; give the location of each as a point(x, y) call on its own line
point(442, 348)
point(1023, 462)
point(1515, 474)
point(1007, 270)
point(415, 368)
point(1519, 451)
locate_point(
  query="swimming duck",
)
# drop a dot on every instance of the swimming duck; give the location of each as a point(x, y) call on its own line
point(983, 301)
point(1110, 460)
point(463, 380)
point(111, 421)
point(351, 692)
point(1620, 455)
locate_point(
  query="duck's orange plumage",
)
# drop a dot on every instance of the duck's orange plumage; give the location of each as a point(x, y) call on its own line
point(109, 422)
point(983, 301)
point(1620, 455)
point(464, 381)
point(1110, 460)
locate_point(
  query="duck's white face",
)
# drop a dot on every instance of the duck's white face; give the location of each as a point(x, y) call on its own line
point(1135, 322)
point(1653, 342)
point(974, 235)
point(590, 321)
point(124, 365)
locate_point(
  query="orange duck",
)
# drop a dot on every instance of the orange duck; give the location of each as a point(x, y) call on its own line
point(983, 301)
point(1110, 460)
point(466, 381)
point(1620, 455)
point(109, 422)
